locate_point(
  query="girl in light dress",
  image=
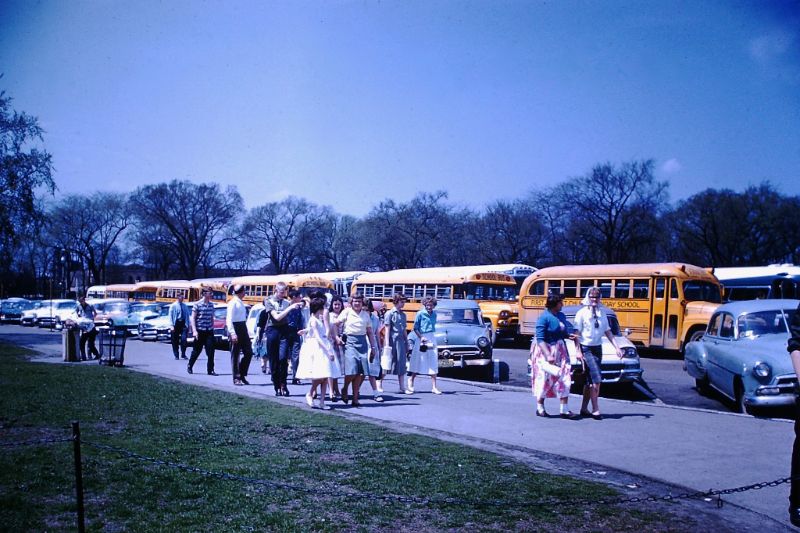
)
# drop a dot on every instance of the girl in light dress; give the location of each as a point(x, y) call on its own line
point(317, 356)
point(335, 332)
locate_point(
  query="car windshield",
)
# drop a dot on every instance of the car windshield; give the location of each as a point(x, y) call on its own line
point(487, 291)
point(752, 325)
point(66, 305)
point(220, 312)
point(702, 291)
point(119, 307)
point(458, 316)
point(145, 308)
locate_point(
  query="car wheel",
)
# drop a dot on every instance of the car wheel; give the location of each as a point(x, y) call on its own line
point(738, 395)
point(702, 385)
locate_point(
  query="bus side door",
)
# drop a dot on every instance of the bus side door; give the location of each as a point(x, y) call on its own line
point(658, 312)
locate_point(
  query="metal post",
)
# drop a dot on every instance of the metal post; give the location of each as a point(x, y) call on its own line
point(76, 446)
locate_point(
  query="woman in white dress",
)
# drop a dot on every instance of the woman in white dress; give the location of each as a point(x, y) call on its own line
point(317, 357)
point(424, 357)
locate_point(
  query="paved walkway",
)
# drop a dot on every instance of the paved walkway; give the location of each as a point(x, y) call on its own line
point(691, 448)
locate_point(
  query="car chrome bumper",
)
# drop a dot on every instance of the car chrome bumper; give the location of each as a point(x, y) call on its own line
point(778, 400)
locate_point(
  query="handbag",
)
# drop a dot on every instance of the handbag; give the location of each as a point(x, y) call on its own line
point(386, 358)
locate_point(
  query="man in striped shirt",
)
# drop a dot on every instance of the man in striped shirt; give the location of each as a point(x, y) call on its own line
point(203, 328)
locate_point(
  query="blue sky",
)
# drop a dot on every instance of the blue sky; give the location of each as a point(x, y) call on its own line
point(349, 103)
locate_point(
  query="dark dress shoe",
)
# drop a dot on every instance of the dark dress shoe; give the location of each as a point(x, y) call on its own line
point(212, 373)
point(184, 357)
point(295, 382)
point(278, 393)
point(285, 391)
point(569, 415)
point(543, 414)
point(244, 381)
point(794, 516)
point(189, 369)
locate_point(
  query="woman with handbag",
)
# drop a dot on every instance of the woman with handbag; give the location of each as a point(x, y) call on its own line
point(591, 324)
point(424, 357)
point(550, 367)
point(394, 357)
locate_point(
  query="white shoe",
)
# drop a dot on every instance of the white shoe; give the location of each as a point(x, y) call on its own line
point(310, 400)
point(410, 388)
point(436, 391)
point(409, 391)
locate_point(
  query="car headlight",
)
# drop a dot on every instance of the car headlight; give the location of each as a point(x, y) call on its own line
point(630, 351)
point(762, 370)
point(483, 342)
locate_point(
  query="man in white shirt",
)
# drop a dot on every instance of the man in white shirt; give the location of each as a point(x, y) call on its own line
point(236, 322)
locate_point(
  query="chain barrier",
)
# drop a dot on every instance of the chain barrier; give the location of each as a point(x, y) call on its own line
point(442, 501)
point(35, 442)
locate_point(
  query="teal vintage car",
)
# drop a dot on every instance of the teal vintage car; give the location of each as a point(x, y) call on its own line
point(743, 356)
point(463, 338)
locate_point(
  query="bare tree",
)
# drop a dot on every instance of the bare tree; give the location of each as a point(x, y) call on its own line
point(511, 232)
point(191, 219)
point(756, 227)
point(281, 233)
point(404, 235)
point(88, 227)
point(612, 212)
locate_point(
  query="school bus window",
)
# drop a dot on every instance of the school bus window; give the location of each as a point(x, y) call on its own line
point(701, 291)
point(641, 288)
point(490, 292)
point(673, 289)
point(660, 289)
point(672, 331)
point(622, 289)
point(658, 326)
point(443, 291)
point(570, 288)
point(537, 288)
point(605, 288)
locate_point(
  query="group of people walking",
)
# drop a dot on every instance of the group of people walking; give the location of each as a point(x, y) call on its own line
point(551, 370)
point(324, 341)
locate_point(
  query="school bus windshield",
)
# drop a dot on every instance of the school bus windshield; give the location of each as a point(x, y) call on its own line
point(702, 291)
point(487, 291)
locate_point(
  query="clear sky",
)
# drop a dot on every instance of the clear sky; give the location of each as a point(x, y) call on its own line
point(346, 103)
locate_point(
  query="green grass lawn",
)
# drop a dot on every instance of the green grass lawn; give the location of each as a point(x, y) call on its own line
point(341, 465)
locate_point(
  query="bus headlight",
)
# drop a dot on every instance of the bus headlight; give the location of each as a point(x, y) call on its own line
point(762, 370)
point(482, 342)
point(504, 314)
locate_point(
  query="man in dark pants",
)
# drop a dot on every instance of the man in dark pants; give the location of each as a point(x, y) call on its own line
point(290, 344)
point(178, 316)
point(87, 311)
point(203, 327)
point(794, 351)
point(236, 322)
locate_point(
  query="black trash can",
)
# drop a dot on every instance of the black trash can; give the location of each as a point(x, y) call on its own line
point(70, 343)
point(112, 346)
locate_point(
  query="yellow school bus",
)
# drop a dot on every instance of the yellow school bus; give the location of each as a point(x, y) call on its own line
point(145, 291)
point(168, 291)
point(342, 281)
point(120, 290)
point(664, 305)
point(495, 293)
point(257, 288)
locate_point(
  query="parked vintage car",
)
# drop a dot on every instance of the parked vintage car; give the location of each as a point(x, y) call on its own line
point(463, 339)
point(116, 313)
point(56, 313)
point(743, 354)
point(12, 308)
point(30, 316)
point(157, 327)
point(613, 369)
point(142, 311)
